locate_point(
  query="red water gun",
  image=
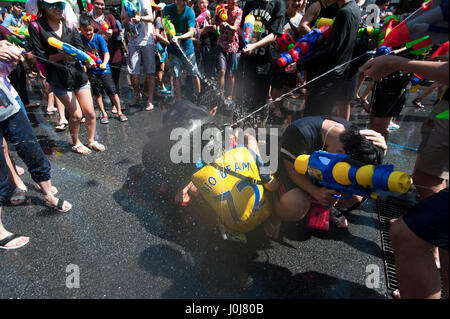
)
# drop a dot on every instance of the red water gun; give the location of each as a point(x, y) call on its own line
point(97, 60)
point(285, 42)
point(103, 24)
point(305, 46)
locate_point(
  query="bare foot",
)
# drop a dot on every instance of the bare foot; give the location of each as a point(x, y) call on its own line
point(149, 106)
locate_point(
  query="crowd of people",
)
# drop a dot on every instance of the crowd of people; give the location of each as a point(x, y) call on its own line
point(177, 46)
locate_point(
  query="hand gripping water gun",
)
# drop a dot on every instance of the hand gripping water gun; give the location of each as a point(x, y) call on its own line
point(169, 28)
point(202, 17)
point(103, 24)
point(305, 46)
point(350, 177)
point(417, 80)
point(29, 17)
point(70, 49)
point(285, 42)
point(249, 24)
point(132, 12)
point(97, 60)
point(15, 40)
point(5, 67)
point(221, 12)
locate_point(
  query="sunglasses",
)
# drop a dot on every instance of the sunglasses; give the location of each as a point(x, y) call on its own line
point(54, 6)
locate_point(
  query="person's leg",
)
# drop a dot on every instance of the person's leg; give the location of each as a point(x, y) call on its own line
point(418, 100)
point(293, 206)
point(221, 83)
point(427, 184)
point(75, 115)
point(150, 79)
point(84, 98)
point(99, 100)
point(62, 112)
point(13, 175)
point(133, 67)
point(443, 256)
point(20, 134)
point(381, 125)
point(417, 274)
point(361, 78)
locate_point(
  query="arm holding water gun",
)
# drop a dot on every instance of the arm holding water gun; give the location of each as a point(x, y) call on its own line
point(382, 66)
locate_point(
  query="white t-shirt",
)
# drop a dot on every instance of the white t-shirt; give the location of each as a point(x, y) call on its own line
point(145, 29)
point(295, 20)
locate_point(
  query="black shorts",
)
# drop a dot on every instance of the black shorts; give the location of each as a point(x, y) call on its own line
point(390, 95)
point(102, 82)
point(227, 61)
point(429, 219)
point(282, 79)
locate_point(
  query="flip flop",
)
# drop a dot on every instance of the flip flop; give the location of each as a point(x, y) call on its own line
point(61, 127)
point(96, 146)
point(59, 206)
point(76, 147)
point(18, 196)
point(10, 238)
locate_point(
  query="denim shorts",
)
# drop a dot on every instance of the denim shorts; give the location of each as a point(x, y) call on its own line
point(178, 63)
point(61, 91)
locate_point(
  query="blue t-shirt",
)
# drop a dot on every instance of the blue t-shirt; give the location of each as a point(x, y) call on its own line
point(182, 22)
point(98, 47)
point(12, 20)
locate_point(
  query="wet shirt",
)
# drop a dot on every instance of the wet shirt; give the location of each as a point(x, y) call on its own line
point(269, 18)
point(98, 47)
point(304, 136)
point(228, 39)
point(182, 22)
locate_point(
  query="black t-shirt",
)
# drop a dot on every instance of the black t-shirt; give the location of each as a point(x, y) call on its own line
point(340, 45)
point(269, 18)
point(63, 74)
point(304, 136)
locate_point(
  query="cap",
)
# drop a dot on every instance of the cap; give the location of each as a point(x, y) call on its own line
point(53, 1)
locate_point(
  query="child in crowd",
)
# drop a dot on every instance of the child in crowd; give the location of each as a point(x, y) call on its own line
point(101, 77)
point(228, 49)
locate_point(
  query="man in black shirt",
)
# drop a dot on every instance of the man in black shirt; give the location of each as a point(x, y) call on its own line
point(338, 87)
point(335, 135)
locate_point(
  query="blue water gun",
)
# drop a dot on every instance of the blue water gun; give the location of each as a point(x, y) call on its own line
point(350, 177)
point(132, 12)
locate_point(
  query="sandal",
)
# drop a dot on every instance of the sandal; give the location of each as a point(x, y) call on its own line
point(76, 148)
point(59, 206)
point(418, 103)
point(114, 110)
point(54, 189)
point(123, 118)
point(338, 218)
point(104, 120)
point(61, 127)
point(96, 146)
point(18, 196)
point(5, 241)
point(149, 107)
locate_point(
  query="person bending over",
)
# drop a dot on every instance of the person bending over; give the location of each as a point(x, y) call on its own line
point(304, 136)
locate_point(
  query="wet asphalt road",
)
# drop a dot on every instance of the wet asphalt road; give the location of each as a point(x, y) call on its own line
point(128, 242)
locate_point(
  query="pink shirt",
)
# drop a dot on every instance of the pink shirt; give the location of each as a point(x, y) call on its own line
point(228, 39)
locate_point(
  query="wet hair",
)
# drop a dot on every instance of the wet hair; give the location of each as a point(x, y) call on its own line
point(85, 20)
point(360, 148)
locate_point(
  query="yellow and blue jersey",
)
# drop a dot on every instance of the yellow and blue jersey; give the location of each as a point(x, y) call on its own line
point(239, 199)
